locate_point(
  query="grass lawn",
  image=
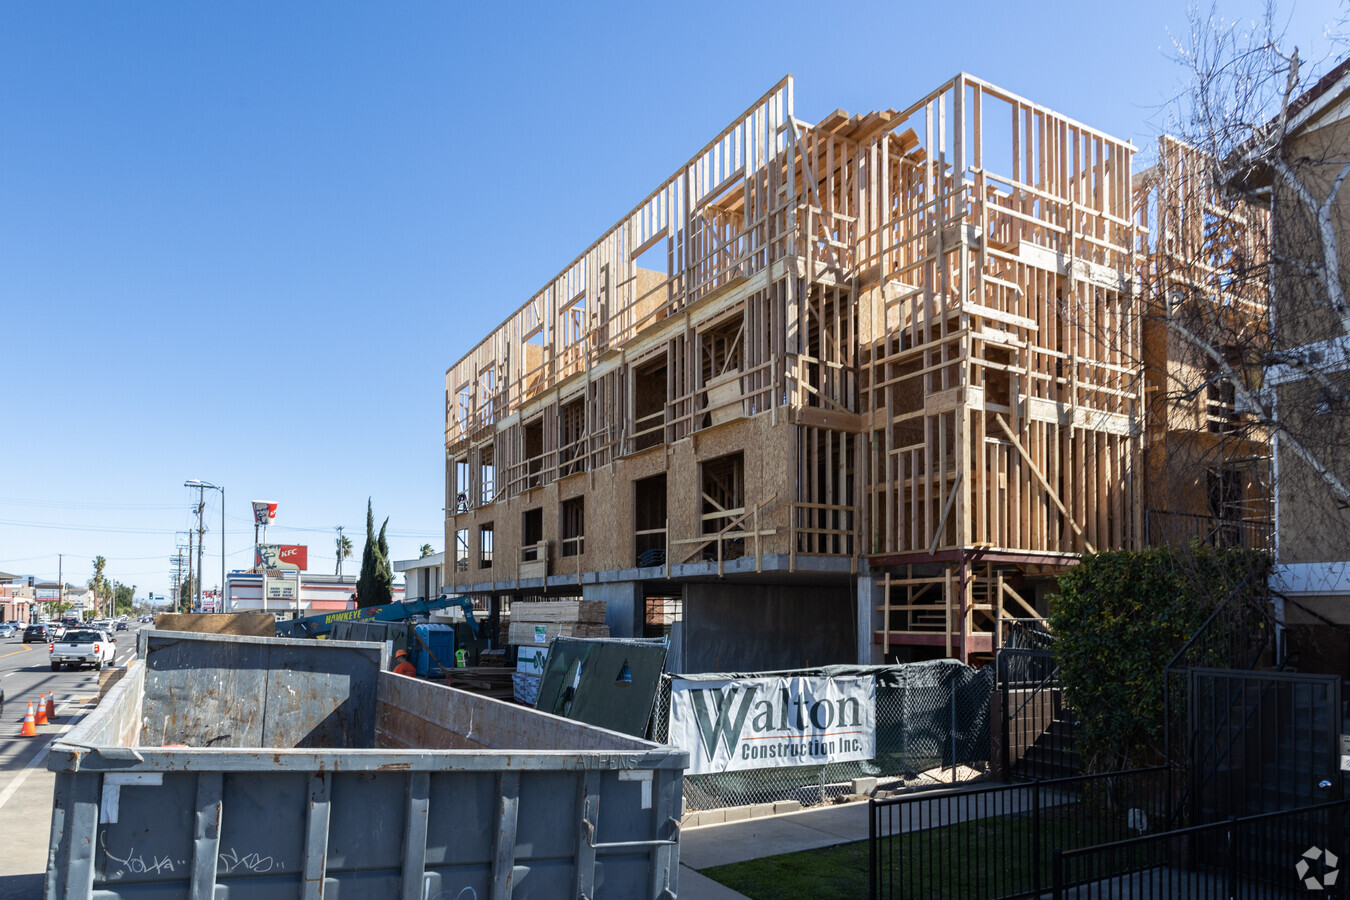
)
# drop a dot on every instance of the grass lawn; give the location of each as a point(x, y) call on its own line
point(835, 873)
point(926, 864)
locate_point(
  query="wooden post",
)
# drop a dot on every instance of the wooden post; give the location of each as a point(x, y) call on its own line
point(886, 617)
point(947, 594)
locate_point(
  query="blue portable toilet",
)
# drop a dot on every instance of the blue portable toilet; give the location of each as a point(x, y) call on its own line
point(441, 640)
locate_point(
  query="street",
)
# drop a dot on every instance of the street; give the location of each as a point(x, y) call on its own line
point(25, 783)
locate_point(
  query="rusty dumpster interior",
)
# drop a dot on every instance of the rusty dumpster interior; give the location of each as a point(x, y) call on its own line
point(214, 691)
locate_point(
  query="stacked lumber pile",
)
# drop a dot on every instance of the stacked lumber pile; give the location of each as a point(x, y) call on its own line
point(559, 618)
point(492, 659)
point(534, 625)
point(490, 681)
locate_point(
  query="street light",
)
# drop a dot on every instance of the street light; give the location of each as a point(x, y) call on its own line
point(199, 484)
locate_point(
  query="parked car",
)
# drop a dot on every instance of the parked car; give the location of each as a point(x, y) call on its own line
point(36, 634)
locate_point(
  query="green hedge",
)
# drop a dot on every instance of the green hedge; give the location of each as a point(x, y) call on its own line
point(1118, 619)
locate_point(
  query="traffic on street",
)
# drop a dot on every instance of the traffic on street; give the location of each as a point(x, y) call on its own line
point(25, 784)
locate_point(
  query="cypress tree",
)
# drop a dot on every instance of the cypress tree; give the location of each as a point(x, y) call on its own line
point(375, 585)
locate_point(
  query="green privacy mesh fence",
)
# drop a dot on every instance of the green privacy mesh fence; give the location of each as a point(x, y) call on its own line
point(929, 715)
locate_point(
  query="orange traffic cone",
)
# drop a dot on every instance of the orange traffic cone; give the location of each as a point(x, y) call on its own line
point(42, 709)
point(51, 706)
point(29, 729)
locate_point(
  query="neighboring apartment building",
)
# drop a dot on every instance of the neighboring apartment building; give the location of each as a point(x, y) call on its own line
point(422, 577)
point(830, 393)
point(1311, 382)
point(1205, 267)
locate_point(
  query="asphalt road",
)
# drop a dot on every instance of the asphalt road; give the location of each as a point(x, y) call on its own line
point(25, 783)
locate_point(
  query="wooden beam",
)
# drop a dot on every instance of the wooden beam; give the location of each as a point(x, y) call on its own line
point(1036, 470)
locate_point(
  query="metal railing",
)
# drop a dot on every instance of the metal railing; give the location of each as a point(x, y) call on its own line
point(1293, 853)
point(1235, 636)
point(1001, 841)
point(1038, 726)
point(1165, 528)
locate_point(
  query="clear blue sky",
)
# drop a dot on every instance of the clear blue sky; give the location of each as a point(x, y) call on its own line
point(242, 242)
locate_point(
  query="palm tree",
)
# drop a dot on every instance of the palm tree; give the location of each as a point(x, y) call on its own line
point(344, 548)
point(99, 584)
point(426, 551)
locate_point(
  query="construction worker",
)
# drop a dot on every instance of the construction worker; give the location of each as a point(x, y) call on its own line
point(401, 664)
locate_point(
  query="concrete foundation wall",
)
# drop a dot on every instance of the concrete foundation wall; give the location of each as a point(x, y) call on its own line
point(739, 628)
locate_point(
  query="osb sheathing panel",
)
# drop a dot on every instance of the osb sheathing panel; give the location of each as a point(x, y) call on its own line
point(768, 465)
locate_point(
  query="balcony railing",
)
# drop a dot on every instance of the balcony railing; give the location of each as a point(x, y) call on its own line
point(1163, 528)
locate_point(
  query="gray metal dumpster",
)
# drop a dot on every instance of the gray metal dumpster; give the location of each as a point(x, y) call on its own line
point(238, 767)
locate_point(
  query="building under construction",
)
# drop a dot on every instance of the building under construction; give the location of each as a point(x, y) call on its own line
point(829, 392)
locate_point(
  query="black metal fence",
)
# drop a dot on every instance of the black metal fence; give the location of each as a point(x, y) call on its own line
point(1289, 854)
point(1165, 528)
point(1262, 742)
point(1001, 840)
point(1037, 727)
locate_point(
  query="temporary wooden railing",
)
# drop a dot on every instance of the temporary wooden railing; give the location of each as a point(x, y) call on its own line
point(736, 520)
point(841, 539)
point(665, 545)
point(942, 614)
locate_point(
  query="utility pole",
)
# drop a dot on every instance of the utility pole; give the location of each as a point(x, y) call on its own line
point(60, 583)
point(339, 551)
point(177, 585)
point(189, 582)
point(201, 530)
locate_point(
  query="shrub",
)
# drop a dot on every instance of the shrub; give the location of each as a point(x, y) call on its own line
point(1118, 620)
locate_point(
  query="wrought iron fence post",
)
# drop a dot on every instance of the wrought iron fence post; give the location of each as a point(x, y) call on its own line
point(1058, 888)
point(872, 886)
point(1232, 857)
point(951, 693)
point(1036, 834)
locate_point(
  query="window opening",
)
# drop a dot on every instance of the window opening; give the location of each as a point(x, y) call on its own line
point(574, 526)
point(649, 404)
point(649, 521)
point(722, 502)
point(531, 533)
point(485, 546)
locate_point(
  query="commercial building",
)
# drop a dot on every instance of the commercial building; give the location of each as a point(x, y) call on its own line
point(291, 593)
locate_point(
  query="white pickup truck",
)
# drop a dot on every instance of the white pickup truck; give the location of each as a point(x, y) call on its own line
point(82, 647)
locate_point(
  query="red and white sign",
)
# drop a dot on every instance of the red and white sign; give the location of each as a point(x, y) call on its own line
point(264, 513)
point(291, 557)
point(294, 555)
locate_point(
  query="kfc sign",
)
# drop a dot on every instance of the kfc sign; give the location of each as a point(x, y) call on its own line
point(264, 513)
point(292, 557)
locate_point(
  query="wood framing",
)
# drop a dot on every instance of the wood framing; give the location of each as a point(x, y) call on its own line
point(920, 331)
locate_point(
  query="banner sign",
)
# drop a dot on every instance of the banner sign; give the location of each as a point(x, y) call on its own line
point(264, 513)
point(761, 723)
point(289, 557)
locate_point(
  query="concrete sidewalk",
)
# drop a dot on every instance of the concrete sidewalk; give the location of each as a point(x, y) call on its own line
point(717, 845)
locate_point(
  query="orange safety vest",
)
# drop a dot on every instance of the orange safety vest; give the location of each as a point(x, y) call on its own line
point(405, 668)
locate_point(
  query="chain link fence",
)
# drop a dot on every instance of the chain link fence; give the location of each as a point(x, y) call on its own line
point(929, 715)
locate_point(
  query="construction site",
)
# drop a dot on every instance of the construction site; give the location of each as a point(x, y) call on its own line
point(854, 391)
